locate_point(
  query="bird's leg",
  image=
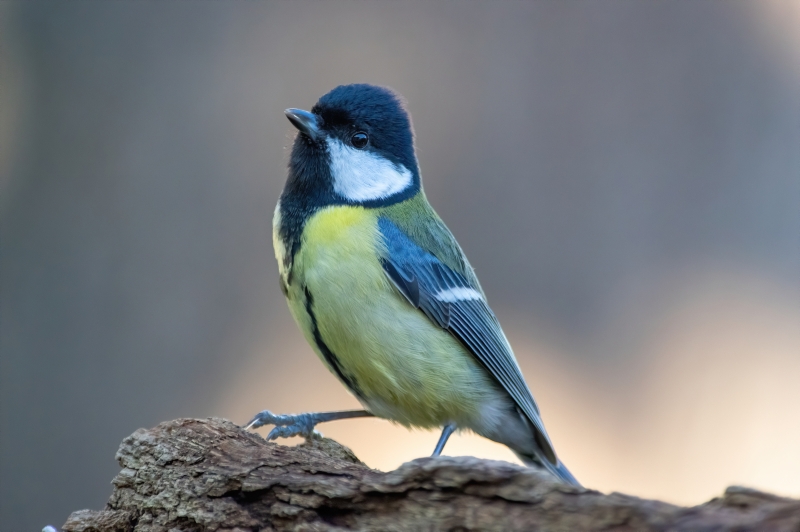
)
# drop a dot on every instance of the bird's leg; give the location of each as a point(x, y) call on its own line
point(288, 425)
point(446, 432)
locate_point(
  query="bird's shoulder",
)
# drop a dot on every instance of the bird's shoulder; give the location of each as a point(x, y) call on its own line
point(420, 223)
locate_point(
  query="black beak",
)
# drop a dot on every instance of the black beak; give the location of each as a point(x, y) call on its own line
point(307, 123)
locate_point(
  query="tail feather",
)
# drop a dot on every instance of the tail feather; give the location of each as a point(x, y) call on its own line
point(558, 469)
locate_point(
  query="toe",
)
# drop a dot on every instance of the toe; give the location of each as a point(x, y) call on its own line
point(265, 417)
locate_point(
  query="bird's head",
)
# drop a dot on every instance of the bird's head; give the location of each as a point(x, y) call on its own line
point(355, 146)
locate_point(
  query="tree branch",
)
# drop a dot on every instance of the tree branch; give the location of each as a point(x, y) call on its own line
point(197, 475)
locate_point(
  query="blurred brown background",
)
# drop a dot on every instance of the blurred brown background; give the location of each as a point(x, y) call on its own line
point(624, 176)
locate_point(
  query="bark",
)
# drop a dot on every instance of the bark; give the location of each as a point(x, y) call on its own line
point(197, 475)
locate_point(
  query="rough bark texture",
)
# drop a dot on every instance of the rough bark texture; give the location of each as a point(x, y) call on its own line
point(192, 475)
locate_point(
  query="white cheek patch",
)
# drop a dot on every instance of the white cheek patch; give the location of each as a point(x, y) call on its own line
point(362, 176)
point(451, 295)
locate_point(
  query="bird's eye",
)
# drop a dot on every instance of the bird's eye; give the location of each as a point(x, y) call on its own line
point(359, 140)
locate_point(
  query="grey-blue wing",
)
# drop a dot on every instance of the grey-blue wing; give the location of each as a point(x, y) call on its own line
point(452, 302)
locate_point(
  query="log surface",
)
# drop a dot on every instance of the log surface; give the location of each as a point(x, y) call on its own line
point(197, 475)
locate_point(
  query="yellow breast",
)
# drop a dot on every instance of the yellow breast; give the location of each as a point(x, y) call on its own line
point(403, 366)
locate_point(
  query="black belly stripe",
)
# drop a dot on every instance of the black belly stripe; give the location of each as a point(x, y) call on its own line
point(330, 357)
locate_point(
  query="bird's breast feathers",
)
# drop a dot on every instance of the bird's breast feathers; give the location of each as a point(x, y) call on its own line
point(395, 359)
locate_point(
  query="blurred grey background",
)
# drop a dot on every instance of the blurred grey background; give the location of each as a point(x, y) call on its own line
point(624, 176)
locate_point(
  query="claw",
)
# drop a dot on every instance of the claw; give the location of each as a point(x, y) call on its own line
point(292, 430)
point(286, 426)
point(277, 432)
point(265, 417)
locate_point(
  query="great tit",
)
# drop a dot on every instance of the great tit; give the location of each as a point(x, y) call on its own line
point(381, 289)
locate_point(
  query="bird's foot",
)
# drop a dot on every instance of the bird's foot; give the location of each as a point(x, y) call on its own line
point(287, 425)
point(447, 431)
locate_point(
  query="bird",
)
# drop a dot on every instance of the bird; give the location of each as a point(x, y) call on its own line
point(382, 291)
